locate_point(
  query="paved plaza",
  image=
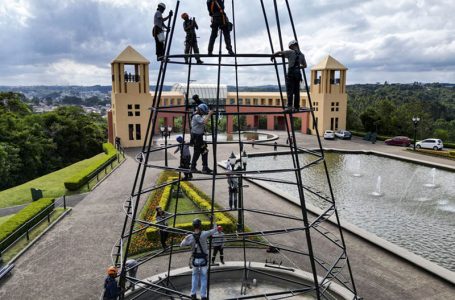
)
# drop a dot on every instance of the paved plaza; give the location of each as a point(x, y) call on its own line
point(69, 262)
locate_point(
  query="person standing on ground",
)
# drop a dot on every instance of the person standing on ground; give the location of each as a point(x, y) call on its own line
point(198, 122)
point(296, 61)
point(111, 288)
point(218, 244)
point(161, 219)
point(219, 21)
point(198, 242)
point(132, 266)
point(233, 185)
point(158, 30)
point(190, 26)
point(185, 157)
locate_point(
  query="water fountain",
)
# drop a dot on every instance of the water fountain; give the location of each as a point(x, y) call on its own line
point(377, 192)
point(356, 168)
point(432, 184)
point(428, 213)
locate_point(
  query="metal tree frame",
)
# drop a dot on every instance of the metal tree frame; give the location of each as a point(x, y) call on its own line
point(323, 271)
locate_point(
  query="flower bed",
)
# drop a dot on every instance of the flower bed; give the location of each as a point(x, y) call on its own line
point(148, 239)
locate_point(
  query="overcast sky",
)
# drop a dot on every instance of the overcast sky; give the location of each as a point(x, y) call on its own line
point(62, 42)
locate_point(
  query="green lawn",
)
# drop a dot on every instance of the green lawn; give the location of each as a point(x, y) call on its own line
point(51, 184)
point(5, 218)
point(22, 243)
point(185, 205)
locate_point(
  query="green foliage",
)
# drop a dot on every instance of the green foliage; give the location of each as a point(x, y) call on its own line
point(441, 134)
point(239, 123)
point(390, 108)
point(7, 231)
point(84, 176)
point(36, 144)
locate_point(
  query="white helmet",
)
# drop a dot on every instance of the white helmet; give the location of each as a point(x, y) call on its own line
point(293, 42)
point(162, 5)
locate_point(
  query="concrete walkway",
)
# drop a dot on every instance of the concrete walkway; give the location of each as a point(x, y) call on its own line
point(69, 262)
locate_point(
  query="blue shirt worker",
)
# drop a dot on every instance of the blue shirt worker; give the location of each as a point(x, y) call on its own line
point(158, 30)
point(198, 122)
point(111, 288)
point(199, 262)
point(218, 244)
point(296, 61)
point(185, 157)
point(190, 26)
point(219, 21)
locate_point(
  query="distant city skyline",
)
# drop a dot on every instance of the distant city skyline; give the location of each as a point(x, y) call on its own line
point(73, 42)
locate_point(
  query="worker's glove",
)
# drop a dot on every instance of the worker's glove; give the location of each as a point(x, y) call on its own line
point(171, 13)
point(272, 58)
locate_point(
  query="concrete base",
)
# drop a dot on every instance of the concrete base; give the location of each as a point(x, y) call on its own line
point(226, 283)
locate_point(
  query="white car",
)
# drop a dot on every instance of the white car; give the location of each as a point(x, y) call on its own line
point(435, 144)
point(329, 135)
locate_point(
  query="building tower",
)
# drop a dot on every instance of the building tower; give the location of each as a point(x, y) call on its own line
point(328, 92)
point(131, 98)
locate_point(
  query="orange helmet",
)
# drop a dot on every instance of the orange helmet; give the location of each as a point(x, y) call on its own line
point(112, 271)
point(184, 15)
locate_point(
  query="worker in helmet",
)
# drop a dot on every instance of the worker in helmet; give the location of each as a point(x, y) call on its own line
point(219, 21)
point(185, 157)
point(198, 122)
point(158, 30)
point(111, 288)
point(190, 26)
point(218, 244)
point(199, 261)
point(296, 62)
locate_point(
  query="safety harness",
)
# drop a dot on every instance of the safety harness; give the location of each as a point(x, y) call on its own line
point(199, 255)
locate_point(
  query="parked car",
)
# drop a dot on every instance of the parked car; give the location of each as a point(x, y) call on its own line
point(435, 144)
point(399, 141)
point(329, 135)
point(343, 134)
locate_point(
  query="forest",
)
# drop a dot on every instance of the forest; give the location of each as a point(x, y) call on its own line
point(32, 145)
point(389, 108)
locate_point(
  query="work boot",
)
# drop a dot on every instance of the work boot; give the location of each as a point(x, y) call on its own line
point(213, 260)
point(231, 52)
point(200, 62)
point(206, 170)
point(193, 297)
point(194, 170)
point(210, 53)
point(288, 109)
point(222, 261)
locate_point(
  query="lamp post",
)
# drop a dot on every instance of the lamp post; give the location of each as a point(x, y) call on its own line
point(416, 121)
point(166, 133)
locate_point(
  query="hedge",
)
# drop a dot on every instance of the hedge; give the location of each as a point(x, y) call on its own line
point(438, 153)
point(7, 231)
point(201, 200)
point(84, 176)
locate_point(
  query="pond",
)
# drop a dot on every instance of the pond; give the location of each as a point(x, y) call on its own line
point(410, 205)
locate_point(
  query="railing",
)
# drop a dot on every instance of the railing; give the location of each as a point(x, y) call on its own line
point(103, 167)
point(42, 216)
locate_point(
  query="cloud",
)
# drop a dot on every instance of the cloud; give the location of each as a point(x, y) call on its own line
point(393, 40)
